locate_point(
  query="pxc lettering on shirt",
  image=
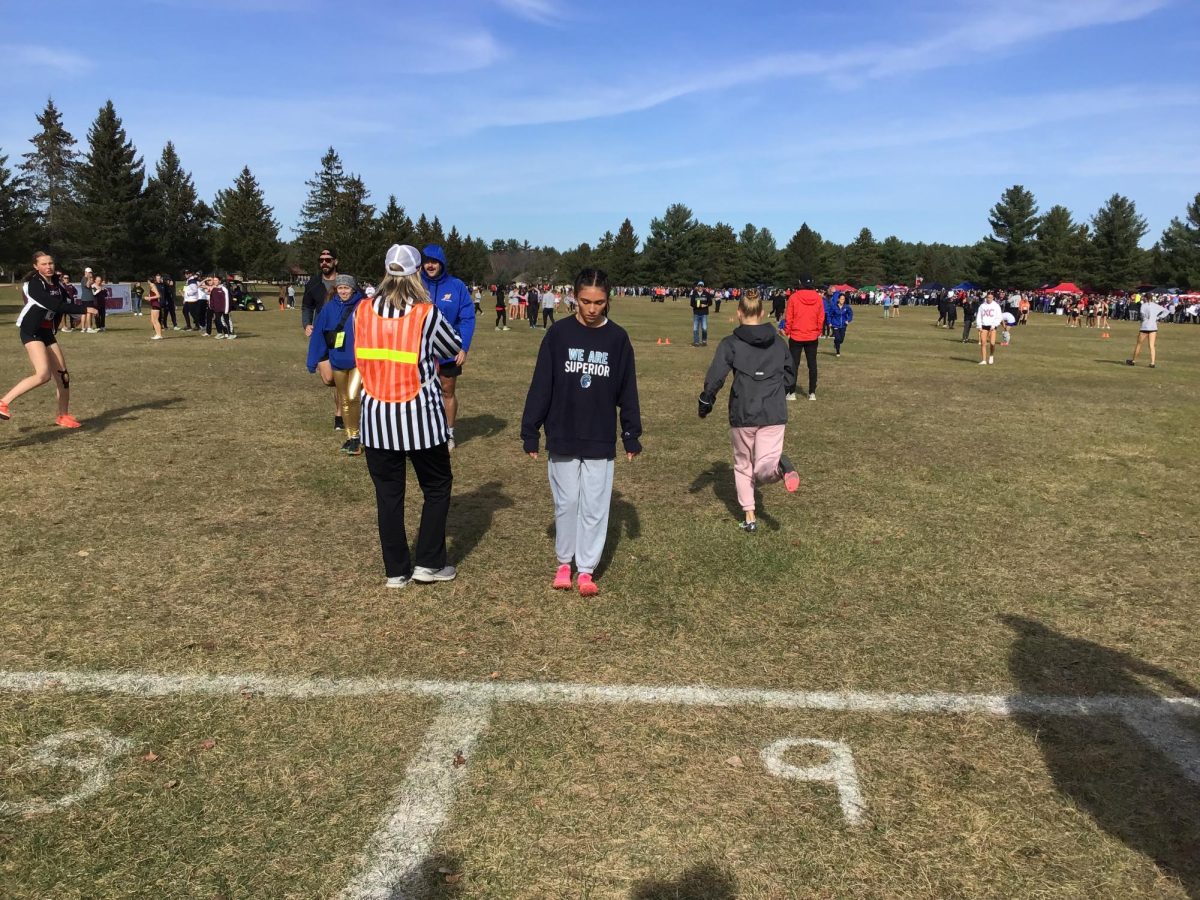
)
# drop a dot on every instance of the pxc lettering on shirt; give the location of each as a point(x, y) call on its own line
point(593, 362)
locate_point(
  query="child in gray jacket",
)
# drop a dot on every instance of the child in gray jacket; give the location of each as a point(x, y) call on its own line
point(762, 369)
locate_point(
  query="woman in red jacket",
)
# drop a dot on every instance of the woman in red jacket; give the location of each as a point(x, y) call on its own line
point(802, 323)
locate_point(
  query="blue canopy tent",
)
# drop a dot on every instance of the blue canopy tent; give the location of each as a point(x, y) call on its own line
point(965, 286)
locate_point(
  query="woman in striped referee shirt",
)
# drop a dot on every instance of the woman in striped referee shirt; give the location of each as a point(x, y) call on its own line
point(399, 336)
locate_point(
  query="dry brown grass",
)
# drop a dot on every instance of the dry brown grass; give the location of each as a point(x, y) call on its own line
point(225, 534)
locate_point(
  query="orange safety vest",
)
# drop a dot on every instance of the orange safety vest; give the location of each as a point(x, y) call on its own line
point(386, 351)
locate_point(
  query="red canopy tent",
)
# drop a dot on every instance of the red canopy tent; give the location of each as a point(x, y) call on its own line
point(1067, 287)
point(842, 287)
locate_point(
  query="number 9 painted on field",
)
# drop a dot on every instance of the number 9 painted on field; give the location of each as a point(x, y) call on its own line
point(92, 753)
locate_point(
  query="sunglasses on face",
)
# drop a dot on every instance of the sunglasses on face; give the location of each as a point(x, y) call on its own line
point(325, 258)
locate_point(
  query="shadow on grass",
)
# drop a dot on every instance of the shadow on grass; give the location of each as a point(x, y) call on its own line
point(437, 878)
point(471, 517)
point(720, 477)
point(481, 426)
point(95, 424)
point(1101, 763)
point(965, 359)
point(703, 882)
point(1111, 362)
point(622, 517)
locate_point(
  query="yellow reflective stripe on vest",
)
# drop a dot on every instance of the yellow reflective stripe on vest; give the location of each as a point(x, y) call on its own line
point(400, 356)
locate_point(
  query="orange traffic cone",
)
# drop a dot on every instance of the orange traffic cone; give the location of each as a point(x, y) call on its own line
point(1104, 334)
point(667, 341)
point(660, 341)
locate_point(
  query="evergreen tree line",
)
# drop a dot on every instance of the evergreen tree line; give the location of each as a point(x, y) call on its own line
point(97, 206)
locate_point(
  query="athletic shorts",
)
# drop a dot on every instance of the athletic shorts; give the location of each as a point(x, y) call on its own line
point(1148, 331)
point(987, 327)
point(37, 333)
point(449, 370)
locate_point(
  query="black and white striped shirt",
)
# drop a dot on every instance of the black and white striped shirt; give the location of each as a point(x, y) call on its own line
point(420, 423)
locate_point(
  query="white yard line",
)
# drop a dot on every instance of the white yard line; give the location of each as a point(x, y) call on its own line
point(421, 806)
point(141, 684)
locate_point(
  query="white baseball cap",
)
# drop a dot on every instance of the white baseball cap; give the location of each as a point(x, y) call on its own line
point(402, 260)
point(88, 269)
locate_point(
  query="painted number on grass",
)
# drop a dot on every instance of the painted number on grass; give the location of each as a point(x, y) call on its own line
point(91, 753)
point(839, 771)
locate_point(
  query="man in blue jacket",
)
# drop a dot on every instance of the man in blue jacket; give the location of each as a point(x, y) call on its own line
point(453, 299)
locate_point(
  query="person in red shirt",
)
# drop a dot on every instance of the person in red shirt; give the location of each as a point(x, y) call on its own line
point(802, 323)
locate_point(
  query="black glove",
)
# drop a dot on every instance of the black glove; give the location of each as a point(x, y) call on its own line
point(705, 407)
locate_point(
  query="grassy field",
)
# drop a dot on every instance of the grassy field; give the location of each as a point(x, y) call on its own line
point(1027, 528)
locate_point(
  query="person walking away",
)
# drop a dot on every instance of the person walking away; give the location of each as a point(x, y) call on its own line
point(762, 367)
point(291, 296)
point(501, 310)
point(318, 290)
point(584, 377)
point(87, 323)
point(970, 310)
point(839, 318)
point(549, 301)
point(399, 338)
point(802, 323)
point(699, 301)
point(987, 320)
point(100, 295)
point(477, 298)
point(35, 325)
point(534, 306)
point(166, 290)
point(331, 353)
point(1150, 314)
point(453, 301)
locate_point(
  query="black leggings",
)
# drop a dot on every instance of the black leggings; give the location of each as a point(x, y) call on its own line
point(810, 358)
point(501, 317)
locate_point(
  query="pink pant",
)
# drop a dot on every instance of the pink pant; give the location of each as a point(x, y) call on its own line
point(756, 454)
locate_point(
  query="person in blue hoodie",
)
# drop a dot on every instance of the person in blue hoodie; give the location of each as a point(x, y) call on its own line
point(840, 315)
point(331, 353)
point(453, 301)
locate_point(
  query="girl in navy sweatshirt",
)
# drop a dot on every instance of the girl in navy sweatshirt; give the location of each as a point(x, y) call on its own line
point(584, 375)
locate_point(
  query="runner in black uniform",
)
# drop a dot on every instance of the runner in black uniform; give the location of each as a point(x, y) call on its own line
point(44, 298)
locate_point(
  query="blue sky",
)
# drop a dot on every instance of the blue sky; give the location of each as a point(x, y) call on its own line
point(552, 120)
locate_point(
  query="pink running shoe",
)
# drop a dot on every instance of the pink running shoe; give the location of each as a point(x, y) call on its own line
point(791, 480)
point(68, 421)
point(562, 578)
point(587, 587)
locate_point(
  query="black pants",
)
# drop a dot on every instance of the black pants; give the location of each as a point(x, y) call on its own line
point(532, 312)
point(168, 309)
point(967, 322)
point(502, 318)
point(547, 317)
point(100, 314)
point(839, 336)
point(810, 358)
point(389, 473)
point(188, 317)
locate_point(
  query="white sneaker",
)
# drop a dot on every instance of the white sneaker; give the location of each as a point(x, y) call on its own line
point(506, 328)
point(157, 337)
point(812, 396)
point(204, 334)
point(176, 328)
point(397, 581)
point(791, 396)
point(218, 337)
point(450, 445)
point(230, 337)
point(426, 575)
point(991, 360)
point(983, 362)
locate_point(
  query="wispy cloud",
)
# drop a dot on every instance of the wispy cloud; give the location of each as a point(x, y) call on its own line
point(544, 12)
point(30, 58)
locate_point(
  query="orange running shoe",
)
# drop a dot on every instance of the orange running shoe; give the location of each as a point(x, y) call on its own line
point(68, 421)
point(4, 413)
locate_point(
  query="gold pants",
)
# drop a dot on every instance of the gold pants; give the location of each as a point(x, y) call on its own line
point(347, 388)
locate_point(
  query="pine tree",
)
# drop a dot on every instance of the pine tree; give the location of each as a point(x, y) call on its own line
point(110, 230)
point(424, 232)
point(180, 221)
point(1116, 230)
point(436, 235)
point(602, 254)
point(1179, 247)
point(897, 259)
point(670, 253)
point(395, 227)
point(316, 215)
point(16, 220)
point(804, 257)
point(453, 249)
point(863, 263)
point(720, 256)
point(760, 255)
point(623, 259)
point(1061, 247)
point(1012, 253)
point(247, 237)
point(353, 230)
point(473, 265)
point(49, 172)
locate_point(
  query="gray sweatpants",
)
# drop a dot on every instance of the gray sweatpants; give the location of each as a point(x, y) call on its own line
point(582, 490)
